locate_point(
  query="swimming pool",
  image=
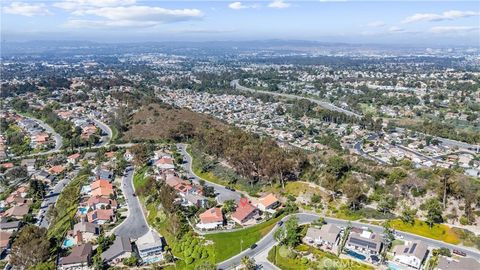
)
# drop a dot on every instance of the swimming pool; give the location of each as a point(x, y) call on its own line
point(152, 260)
point(356, 255)
point(393, 266)
point(68, 242)
point(83, 210)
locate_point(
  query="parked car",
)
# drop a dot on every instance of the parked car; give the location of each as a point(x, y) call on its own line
point(230, 188)
point(253, 246)
point(280, 223)
point(459, 252)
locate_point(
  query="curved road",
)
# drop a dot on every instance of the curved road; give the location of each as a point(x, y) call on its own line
point(106, 129)
point(268, 241)
point(58, 139)
point(223, 193)
point(135, 225)
point(324, 104)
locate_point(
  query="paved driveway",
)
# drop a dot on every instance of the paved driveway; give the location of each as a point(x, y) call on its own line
point(135, 225)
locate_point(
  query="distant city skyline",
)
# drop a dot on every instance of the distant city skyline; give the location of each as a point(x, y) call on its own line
point(390, 22)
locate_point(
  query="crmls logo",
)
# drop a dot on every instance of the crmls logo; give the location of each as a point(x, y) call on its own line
point(329, 264)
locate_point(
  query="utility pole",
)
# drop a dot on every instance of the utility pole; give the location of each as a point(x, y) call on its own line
point(241, 245)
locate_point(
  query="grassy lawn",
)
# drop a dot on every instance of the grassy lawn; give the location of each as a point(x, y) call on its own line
point(114, 133)
point(66, 207)
point(438, 232)
point(139, 179)
point(228, 244)
point(287, 259)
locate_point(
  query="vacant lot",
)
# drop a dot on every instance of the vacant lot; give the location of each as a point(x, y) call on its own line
point(156, 121)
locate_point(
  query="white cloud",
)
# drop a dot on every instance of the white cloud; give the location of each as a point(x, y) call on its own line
point(376, 24)
point(24, 9)
point(447, 15)
point(73, 5)
point(237, 5)
point(278, 4)
point(453, 29)
point(396, 29)
point(133, 16)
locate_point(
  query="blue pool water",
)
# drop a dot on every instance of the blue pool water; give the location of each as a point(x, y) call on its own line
point(356, 255)
point(68, 242)
point(152, 260)
point(83, 210)
point(393, 266)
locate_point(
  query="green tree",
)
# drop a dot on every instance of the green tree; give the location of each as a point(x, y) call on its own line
point(434, 212)
point(248, 263)
point(289, 234)
point(31, 247)
point(408, 215)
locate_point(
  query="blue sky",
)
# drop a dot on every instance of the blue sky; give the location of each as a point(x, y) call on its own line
point(405, 22)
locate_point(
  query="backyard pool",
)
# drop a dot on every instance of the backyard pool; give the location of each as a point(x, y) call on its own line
point(83, 210)
point(393, 267)
point(151, 260)
point(68, 242)
point(356, 255)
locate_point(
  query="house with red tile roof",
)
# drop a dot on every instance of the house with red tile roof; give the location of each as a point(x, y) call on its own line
point(73, 158)
point(58, 169)
point(268, 203)
point(98, 202)
point(211, 219)
point(246, 214)
point(101, 216)
point(180, 185)
point(101, 188)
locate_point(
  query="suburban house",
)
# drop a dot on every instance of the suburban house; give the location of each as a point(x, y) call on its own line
point(101, 216)
point(447, 263)
point(56, 170)
point(180, 185)
point(150, 246)
point(411, 254)
point(165, 163)
point(268, 203)
point(11, 226)
point(4, 242)
point(98, 202)
point(86, 231)
point(17, 211)
point(210, 219)
point(102, 188)
point(29, 164)
point(195, 200)
point(328, 236)
point(73, 158)
point(79, 259)
point(120, 249)
point(364, 242)
point(104, 174)
point(246, 214)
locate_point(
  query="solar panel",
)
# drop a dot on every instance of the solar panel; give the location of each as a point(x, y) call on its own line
point(364, 243)
point(413, 248)
point(405, 250)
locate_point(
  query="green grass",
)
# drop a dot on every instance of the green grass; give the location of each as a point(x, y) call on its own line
point(66, 207)
point(323, 260)
point(139, 179)
point(114, 133)
point(438, 231)
point(228, 244)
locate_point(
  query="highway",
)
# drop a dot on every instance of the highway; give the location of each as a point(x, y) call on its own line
point(52, 197)
point(324, 104)
point(223, 193)
point(135, 225)
point(268, 240)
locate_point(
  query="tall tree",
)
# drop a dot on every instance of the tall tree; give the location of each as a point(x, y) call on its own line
point(30, 248)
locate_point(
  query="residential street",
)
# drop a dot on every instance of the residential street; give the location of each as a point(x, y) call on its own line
point(223, 193)
point(106, 129)
point(135, 225)
point(58, 139)
point(51, 198)
point(268, 241)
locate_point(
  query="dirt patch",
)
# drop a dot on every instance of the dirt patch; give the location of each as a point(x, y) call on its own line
point(155, 122)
